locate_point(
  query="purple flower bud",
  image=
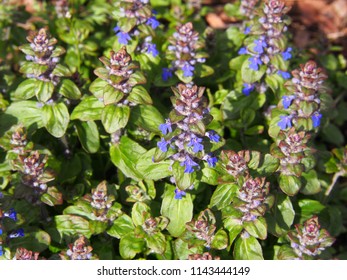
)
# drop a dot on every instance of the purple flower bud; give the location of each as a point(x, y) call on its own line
point(287, 54)
point(123, 38)
point(166, 74)
point(287, 100)
point(166, 128)
point(247, 30)
point(188, 70)
point(179, 194)
point(247, 88)
point(189, 164)
point(196, 143)
point(316, 117)
point(285, 122)
point(211, 161)
point(1, 231)
point(255, 61)
point(1, 195)
point(12, 214)
point(17, 233)
point(285, 75)
point(152, 48)
point(162, 144)
point(153, 22)
point(214, 137)
point(243, 51)
point(259, 46)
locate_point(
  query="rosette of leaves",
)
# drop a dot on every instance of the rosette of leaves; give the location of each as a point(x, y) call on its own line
point(46, 82)
point(185, 51)
point(201, 233)
point(116, 90)
point(136, 22)
point(140, 233)
point(27, 169)
point(186, 139)
point(97, 209)
point(307, 241)
point(265, 55)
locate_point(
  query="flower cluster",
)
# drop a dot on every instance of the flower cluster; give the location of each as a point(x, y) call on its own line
point(136, 19)
point(247, 7)
point(203, 257)
point(309, 240)
point(122, 73)
point(291, 149)
point(184, 52)
point(101, 202)
point(203, 228)
point(185, 132)
point(26, 255)
point(234, 163)
point(62, 8)
point(267, 43)
point(304, 102)
point(251, 198)
point(44, 55)
point(79, 250)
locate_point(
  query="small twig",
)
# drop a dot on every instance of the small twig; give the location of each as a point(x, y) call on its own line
point(335, 178)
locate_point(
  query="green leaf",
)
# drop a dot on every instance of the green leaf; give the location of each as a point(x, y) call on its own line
point(311, 183)
point(81, 209)
point(55, 118)
point(286, 253)
point(332, 134)
point(183, 180)
point(152, 170)
point(26, 89)
point(27, 113)
point(121, 226)
point(44, 90)
point(286, 213)
point(97, 87)
point(89, 109)
point(52, 197)
point(179, 211)
point(223, 195)
point(257, 228)
point(129, 246)
point(236, 63)
point(290, 185)
point(36, 241)
point(127, 23)
point(125, 156)
point(147, 117)
point(88, 135)
point(140, 213)
point(274, 81)
point(309, 208)
point(69, 89)
point(112, 95)
point(220, 240)
point(72, 225)
point(139, 95)
point(156, 243)
point(270, 165)
point(115, 117)
point(247, 248)
point(250, 76)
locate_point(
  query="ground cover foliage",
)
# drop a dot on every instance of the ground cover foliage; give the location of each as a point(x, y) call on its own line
point(134, 130)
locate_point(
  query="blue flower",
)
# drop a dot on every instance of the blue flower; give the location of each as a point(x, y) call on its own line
point(179, 194)
point(116, 29)
point(166, 128)
point(285, 122)
point(153, 22)
point(196, 143)
point(255, 61)
point(1, 252)
point(214, 137)
point(316, 117)
point(17, 233)
point(287, 100)
point(0, 231)
point(247, 30)
point(152, 48)
point(123, 38)
point(287, 54)
point(12, 214)
point(188, 70)
point(1, 195)
point(162, 144)
point(259, 46)
point(243, 51)
point(211, 161)
point(247, 88)
point(166, 74)
point(189, 164)
point(285, 75)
